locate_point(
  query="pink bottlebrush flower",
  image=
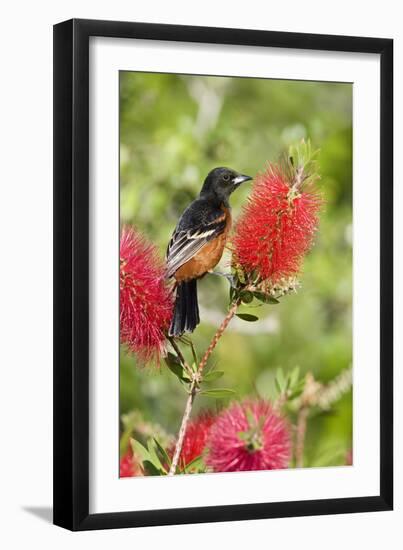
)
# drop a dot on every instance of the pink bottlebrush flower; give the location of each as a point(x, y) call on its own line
point(349, 457)
point(276, 227)
point(145, 300)
point(129, 466)
point(196, 435)
point(249, 436)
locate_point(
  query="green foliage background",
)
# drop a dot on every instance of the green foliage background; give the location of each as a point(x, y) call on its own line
point(173, 130)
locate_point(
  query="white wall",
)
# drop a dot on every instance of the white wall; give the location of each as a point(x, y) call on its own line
point(25, 290)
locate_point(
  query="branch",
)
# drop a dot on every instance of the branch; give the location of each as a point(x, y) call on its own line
point(307, 400)
point(319, 395)
point(218, 334)
point(299, 178)
point(181, 357)
point(182, 429)
point(300, 436)
point(196, 378)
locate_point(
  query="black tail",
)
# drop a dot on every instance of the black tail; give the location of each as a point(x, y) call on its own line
point(186, 313)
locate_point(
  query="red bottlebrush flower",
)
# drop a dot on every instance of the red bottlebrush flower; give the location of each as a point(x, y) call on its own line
point(249, 436)
point(276, 227)
point(196, 435)
point(145, 300)
point(129, 466)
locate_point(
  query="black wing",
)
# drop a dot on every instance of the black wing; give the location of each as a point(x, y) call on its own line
point(198, 225)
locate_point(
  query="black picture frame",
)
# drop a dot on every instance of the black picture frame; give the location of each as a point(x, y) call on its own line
point(71, 274)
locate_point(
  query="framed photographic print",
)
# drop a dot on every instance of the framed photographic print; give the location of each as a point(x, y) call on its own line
point(223, 274)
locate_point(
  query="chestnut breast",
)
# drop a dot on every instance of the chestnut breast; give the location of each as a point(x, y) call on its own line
point(208, 256)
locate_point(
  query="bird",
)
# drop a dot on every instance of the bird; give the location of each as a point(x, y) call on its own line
point(197, 244)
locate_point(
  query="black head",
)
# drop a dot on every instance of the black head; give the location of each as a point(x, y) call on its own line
point(221, 182)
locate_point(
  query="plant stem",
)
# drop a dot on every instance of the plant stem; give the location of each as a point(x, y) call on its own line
point(218, 334)
point(299, 177)
point(300, 436)
point(182, 429)
point(180, 355)
point(194, 354)
point(280, 402)
point(196, 377)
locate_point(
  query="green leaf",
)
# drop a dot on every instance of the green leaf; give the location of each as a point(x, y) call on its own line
point(213, 375)
point(297, 389)
point(124, 442)
point(218, 393)
point(241, 277)
point(153, 455)
point(278, 387)
point(194, 353)
point(194, 367)
point(294, 375)
point(173, 362)
point(246, 297)
point(272, 300)
point(281, 381)
point(247, 317)
point(139, 450)
point(174, 365)
point(195, 464)
point(150, 469)
point(163, 454)
point(266, 298)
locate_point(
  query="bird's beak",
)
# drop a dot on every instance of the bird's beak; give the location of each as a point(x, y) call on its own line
point(240, 178)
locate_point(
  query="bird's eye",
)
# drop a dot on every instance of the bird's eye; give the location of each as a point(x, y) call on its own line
point(226, 177)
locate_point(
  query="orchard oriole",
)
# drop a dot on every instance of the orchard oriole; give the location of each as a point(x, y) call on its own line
point(197, 244)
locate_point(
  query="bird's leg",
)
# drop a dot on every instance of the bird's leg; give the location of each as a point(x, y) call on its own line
point(230, 278)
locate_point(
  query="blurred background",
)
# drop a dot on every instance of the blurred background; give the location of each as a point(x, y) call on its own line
point(173, 130)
